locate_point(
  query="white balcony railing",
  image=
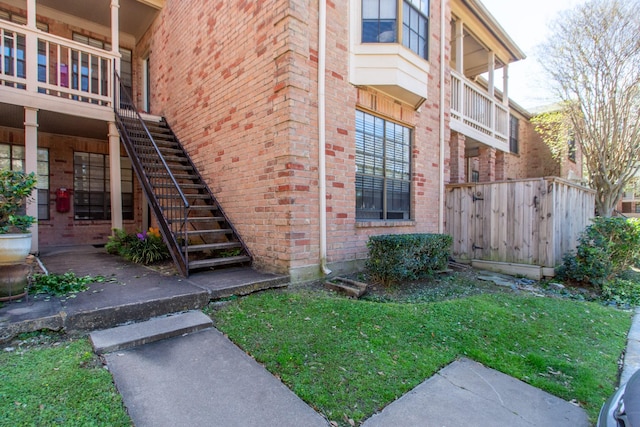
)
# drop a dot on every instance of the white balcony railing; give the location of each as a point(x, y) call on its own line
point(472, 106)
point(42, 63)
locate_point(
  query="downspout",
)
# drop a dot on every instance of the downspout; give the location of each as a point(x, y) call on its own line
point(322, 170)
point(442, 128)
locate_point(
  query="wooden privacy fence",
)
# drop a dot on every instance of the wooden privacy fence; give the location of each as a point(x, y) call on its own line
point(531, 221)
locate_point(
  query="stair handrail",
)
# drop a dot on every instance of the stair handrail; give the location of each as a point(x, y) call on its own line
point(179, 255)
point(129, 101)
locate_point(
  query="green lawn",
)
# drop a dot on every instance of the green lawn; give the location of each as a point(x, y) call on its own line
point(57, 383)
point(350, 358)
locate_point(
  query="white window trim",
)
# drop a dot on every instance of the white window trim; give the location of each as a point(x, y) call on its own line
point(389, 67)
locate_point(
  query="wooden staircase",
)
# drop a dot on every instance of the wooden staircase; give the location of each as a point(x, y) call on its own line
point(197, 232)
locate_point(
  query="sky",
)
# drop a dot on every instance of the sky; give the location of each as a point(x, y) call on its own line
point(526, 23)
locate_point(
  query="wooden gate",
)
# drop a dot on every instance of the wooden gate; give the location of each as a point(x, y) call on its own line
point(531, 221)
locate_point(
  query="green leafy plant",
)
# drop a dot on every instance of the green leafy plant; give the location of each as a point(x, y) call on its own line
point(145, 247)
point(119, 242)
point(15, 188)
point(623, 290)
point(606, 248)
point(398, 257)
point(62, 284)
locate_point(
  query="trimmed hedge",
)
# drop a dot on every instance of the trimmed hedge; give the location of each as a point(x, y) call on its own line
point(399, 257)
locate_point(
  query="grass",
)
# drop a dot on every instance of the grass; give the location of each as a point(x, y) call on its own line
point(350, 358)
point(47, 380)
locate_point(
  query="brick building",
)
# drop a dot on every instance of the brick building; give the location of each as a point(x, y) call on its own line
point(314, 124)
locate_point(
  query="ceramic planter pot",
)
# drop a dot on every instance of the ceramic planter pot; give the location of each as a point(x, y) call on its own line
point(14, 272)
point(14, 248)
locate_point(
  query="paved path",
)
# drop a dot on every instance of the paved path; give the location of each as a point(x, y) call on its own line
point(203, 379)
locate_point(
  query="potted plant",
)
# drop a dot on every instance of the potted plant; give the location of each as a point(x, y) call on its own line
point(15, 238)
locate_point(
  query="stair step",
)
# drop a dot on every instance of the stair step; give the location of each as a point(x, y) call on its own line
point(153, 156)
point(144, 142)
point(175, 175)
point(216, 262)
point(170, 151)
point(155, 329)
point(199, 219)
point(196, 207)
point(181, 167)
point(215, 231)
point(193, 196)
point(214, 246)
point(187, 186)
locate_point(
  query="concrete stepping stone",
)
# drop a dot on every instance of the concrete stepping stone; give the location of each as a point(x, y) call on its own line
point(155, 329)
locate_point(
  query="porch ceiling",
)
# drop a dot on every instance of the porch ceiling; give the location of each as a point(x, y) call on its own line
point(135, 16)
point(476, 57)
point(55, 123)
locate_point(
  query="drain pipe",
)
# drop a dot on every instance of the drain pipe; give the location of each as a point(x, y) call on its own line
point(442, 128)
point(322, 170)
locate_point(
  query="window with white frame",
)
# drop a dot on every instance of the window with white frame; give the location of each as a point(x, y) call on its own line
point(380, 20)
point(91, 186)
point(383, 169)
point(12, 157)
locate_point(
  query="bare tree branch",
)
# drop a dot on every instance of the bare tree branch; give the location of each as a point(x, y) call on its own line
point(592, 59)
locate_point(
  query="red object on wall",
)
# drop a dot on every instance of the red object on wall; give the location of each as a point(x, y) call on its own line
point(62, 200)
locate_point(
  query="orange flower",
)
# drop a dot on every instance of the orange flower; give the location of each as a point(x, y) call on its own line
point(155, 232)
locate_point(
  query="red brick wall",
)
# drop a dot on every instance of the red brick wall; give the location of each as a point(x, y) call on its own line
point(238, 84)
point(534, 158)
point(62, 229)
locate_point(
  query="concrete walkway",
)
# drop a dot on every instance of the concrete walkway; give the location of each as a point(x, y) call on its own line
point(202, 379)
point(132, 293)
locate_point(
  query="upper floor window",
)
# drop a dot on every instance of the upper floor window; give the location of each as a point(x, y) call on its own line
point(383, 174)
point(514, 127)
point(22, 20)
point(380, 23)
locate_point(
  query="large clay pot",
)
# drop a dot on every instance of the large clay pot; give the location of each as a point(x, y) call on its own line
point(13, 281)
point(14, 272)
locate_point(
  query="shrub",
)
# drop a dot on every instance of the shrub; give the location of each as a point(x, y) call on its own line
point(145, 247)
point(398, 257)
point(621, 291)
point(606, 248)
point(119, 243)
point(15, 188)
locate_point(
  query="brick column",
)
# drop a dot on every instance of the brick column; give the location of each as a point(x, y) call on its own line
point(500, 166)
point(457, 163)
point(487, 164)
